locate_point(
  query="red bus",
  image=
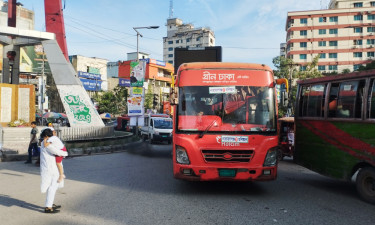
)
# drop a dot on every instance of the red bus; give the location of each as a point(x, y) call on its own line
point(224, 122)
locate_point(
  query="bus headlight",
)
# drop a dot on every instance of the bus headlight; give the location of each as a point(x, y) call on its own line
point(271, 157)
point(181, 155)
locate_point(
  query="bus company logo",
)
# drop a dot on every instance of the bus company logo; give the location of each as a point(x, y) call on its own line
point(231, 140)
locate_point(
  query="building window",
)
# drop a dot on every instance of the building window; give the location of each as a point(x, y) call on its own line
point(332, 67)
point(171, 62)
point(198, 38)
point(358, 17)
point(322, 31)
point(357, 54)
point(370, 29)
point(370, 54)
point(356, 66)
point(322, 43)
point(333, 43)
point(322, 19)
point(358, 30)
point(321, 68)
point(333, 19)
point(177, 41)
point(358, 4)
point(333, 31)
point(303, 32)
point(170, 55)
point(371, 41)
point(303, 21)
point(357, 42)
point(182, 41)
point(188, 40)
point(332, 55)
point(322, 55)
point(302, 68)
point(302, 56)
point(303, 44)
point(371, 17)
point(170, 42)
point(170, 49)
point(372, 3)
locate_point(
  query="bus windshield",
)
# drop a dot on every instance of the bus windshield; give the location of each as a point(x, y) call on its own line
point(226, 109)
point(163, 123)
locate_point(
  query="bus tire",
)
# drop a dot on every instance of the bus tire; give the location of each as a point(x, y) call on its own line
point(365, 184)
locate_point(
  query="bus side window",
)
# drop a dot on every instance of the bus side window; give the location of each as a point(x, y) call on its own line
point(359, 99)
point(332, 102)
point(371, 100)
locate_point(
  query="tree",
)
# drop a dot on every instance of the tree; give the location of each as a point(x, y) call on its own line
point(114, 102)
point(369, 66)
point(121, 95)
point(107, 103)
point(287, 68)
point(149, 97)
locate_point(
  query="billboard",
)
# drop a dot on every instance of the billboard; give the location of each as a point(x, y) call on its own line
point(204, 54)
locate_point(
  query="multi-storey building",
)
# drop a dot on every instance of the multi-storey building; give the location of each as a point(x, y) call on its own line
point(343, 35)
point(181, 35)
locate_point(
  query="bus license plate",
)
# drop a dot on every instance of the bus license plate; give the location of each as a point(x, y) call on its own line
point(227, 173)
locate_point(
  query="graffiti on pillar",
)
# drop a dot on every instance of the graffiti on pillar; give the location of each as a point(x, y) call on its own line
point(80, 111)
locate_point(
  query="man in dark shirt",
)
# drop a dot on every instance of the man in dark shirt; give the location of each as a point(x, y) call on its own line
point(33, 145)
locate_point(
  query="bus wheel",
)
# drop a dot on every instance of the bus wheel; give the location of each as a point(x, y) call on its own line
point(366, 184)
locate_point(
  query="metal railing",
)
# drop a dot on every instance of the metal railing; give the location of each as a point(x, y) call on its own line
point(84, 133)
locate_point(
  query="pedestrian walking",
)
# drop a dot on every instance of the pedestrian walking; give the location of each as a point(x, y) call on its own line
point(49, 172)
point(33, 145)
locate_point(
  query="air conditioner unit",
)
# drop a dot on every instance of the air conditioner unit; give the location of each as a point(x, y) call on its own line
point(371, 34)
point(291, 48)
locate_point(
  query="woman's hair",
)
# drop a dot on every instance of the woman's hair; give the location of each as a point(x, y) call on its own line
point(46, 133)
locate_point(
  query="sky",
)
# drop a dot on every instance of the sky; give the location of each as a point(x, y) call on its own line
point(248, 30)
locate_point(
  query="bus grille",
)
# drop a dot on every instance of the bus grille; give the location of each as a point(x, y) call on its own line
point(227, 155)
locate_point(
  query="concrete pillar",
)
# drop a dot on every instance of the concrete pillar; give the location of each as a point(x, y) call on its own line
point(11, 69)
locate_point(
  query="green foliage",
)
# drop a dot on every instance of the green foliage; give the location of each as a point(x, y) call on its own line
point(114, 102)
point(283, 65)
point(287, 68)
point(369, 66)
point(148, 97)
point(344, 71)
point(311, 70)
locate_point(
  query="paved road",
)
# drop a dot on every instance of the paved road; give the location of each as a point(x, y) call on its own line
point(137, 187)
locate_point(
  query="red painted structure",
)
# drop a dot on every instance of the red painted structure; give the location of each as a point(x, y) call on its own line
point(12, 13)
point(55, 23)
point(151, 70)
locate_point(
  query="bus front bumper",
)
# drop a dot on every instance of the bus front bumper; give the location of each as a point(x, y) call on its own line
point(204, 173)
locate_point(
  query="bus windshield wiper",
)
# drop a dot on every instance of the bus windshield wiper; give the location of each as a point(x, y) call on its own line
point(208, 127)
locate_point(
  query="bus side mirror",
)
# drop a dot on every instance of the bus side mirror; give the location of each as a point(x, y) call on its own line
point(174, 96)
point(284, 98)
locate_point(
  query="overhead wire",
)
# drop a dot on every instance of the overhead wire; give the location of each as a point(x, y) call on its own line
point(105, 36)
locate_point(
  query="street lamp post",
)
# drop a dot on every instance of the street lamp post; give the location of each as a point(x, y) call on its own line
point(139, 34)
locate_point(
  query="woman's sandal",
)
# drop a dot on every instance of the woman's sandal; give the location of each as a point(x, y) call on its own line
point(53, 210)
point(56, 206)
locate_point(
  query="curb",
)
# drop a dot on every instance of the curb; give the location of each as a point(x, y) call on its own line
point(75, 152)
